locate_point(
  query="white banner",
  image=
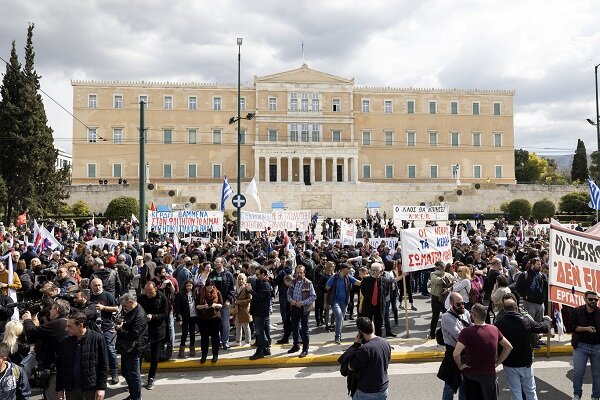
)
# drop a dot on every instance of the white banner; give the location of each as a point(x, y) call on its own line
point(421, 213)
point(391, 242)
point(277, 220)
point(255, 222)
point(423, 247)
point(185, 221)
point(574, 265)
point(347, 233)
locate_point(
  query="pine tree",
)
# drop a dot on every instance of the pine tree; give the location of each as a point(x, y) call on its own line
point(29, 156)
point(595, 166)
point(579, 170)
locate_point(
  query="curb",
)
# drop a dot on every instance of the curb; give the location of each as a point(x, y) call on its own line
point(284, 360)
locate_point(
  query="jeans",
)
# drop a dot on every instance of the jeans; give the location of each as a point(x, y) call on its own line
point(386, 317)
point(581, 354)
point(284, 311)
point(188, 326)
point(171, 327)
point(209, 332)
point(261, 326)
point(300, 325)
point(225, 312)
point(130, 369)
point(535, 310)
point(436, 307)
point(520, 379)
point(110, 338)
point(154, 348)
point(360, 395)
point(338, 313)
point(448, 393)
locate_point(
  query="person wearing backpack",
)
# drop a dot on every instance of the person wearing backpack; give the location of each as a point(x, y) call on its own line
point(453, 322)
point(13, 379)
point(532, 286)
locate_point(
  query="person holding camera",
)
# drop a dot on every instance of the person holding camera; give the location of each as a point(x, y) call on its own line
point(370, 356)
point(48, 339)
point(107, 305)
point(156, 308)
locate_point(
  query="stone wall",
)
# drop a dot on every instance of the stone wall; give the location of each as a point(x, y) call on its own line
point(335, 200)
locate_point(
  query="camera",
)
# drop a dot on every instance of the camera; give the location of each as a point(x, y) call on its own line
point(33, 306)
point(40, 377)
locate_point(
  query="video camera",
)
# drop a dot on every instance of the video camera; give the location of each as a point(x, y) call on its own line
point(33, 306)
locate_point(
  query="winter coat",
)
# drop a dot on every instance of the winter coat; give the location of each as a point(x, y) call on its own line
point(261, 299)
point(110, 281)
point(93, 364)
point(209, 298)
point(48, 339)
point(158, 307)
point(242, 306)
point(133, 335)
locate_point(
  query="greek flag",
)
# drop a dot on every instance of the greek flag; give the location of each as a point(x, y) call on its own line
point(594, 195)
point(225, 193)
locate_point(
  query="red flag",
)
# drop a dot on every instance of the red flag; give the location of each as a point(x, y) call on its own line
point(22, 219)
point(152, 207)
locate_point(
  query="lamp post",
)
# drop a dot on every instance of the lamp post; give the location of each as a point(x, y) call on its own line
point(597, 112)
point(142, 182)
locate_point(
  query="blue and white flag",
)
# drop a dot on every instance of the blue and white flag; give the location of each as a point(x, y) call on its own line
point(226, 192)
point(594, 195)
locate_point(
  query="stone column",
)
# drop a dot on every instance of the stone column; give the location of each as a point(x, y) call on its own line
point(256, 167)
point(355, 169)
point(267, 169)
point(323, 169)
point(312, 170)
point(290, 163)
point(278, 177)
point(333, 169)
point(345, 170)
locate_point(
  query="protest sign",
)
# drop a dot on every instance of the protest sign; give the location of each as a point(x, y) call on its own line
point(573, 265)
point(255, 222)
point(277, 220)
point(185, 221)
point(421, 213)
point(423, 247)
point(347, 233)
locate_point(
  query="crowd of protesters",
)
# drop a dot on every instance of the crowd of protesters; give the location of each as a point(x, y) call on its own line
point(132, 295)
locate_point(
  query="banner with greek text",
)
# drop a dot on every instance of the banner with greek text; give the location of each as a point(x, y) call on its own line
point(421, 213)
point(185, 221)
point(255, 221)
point(347, 233)
point(574, 265)
point(277, 220)
point(423, 247)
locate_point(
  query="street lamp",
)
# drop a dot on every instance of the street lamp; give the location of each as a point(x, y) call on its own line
point(597, 123)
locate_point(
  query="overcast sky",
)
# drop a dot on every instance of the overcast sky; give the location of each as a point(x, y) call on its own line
point(545, 50)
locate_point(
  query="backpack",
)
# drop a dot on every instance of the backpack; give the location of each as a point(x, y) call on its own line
point(439, 336)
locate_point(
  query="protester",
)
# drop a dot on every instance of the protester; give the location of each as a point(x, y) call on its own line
point(187, 316)
point(339, 289)
point(441, 282)
point(241, 306)
point(156, 309)
point(259, 309)
point(107, 305)
point(209, 304)
point(301, 295)
point(585, 339)
point(224, 283)
point(14, 384)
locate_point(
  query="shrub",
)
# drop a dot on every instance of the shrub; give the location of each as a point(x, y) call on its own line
point(543, 209)
point(518, 208)
point(576, 203)
point(122, 207)
point(80, 208)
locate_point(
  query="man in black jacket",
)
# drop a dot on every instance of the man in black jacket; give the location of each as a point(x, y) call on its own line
point(48, 338)
point(82, 362)
point(132, 338)
point(110, 279)
point(156, 308)
point(6, 311)
point(517, 329)
point(260, 308)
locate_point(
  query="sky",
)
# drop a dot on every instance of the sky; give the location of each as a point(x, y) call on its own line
point(544, 50)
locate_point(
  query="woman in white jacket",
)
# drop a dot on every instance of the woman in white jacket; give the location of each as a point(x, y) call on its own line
point(462, 284)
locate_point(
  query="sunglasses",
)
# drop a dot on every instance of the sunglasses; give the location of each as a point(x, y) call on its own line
point(459, 303)
point(592, 300)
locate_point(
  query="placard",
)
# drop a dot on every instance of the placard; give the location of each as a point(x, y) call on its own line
point(421, 213)
point(423, 247)
point(185, 221)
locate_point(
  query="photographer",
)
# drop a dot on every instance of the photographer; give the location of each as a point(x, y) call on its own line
point(6, 311)
point(107, 305)
point(48, 338)
point(63, 280)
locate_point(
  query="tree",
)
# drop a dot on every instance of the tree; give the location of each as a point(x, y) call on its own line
point(28, 156)
point(80, 208)
point(595, 166)
point(543, 209)
point(518, 208)
point(521, 157)
point(575, 203)
point(122, 207)
point(579, 170)
point(532, 168)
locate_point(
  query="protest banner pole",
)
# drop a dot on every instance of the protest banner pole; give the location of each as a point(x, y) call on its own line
point(549, 331)
point(405, 302)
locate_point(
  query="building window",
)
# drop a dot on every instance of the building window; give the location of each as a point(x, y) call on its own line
point(168, 102)
point(216, 133)
point(389, 171)
point(192, 103)
point(315, 105)
point(243, 136)
point(498, 171)
point(454, 139)
point(144, 98)
point(92, 101)
point(272, 103)
point(216, 171)
point(316, 132)
point(304, 102)
point(412, 171)
point(411, 139)
point(293, 101)
point(91, 170)
point(366, 171)
point(497, 140)
point(476, 139)
point(192, 136)
point(477, 171)
point(433, 138)
point(118, 101)
point(366, 106)
point(272, 135)
point(454, 107)
point(496, 108)
point(304, 132)
point(242, 104)
point(366, 138)
point(410, 107)
point(118, 135)
point(387, 106)
point(242, 170)
point(116, 171)
point(455, 171)
point(293, 132)
point(216, 104)
point(475, 108)
point(336, 136)
point(167, 170)
point(433, 171)
point(92, 135)
point(432, 107)
point(192, 171)
point(389, 138)
point(167, 136)
point(336, 105)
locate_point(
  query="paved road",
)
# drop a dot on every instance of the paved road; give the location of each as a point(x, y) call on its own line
point(414, 381)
